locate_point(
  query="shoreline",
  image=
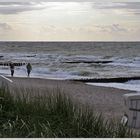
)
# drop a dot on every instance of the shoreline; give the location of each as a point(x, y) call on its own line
point(98, 81)
point(105, 100)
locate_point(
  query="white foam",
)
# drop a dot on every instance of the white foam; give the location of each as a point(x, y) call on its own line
point(128, 62)
point(127, 86)
point(50, 64)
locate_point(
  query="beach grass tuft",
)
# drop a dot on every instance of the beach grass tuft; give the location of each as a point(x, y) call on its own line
point(54, 115)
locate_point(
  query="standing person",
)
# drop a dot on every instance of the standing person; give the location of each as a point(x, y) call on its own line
point(12, 68)
point(29, 68)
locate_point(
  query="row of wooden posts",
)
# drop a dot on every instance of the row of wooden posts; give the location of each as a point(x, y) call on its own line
point(8, 64)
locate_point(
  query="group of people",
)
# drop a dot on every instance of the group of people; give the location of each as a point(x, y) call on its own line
point(28, 67)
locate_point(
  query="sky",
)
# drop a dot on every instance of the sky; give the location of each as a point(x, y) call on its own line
point(77, 20)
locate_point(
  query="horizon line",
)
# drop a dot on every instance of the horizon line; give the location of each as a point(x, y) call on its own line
point(69, 41)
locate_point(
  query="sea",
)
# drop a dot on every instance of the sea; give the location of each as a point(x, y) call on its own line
point(75, 60)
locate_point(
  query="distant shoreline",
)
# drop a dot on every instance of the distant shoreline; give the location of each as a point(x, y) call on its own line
point(90, 41)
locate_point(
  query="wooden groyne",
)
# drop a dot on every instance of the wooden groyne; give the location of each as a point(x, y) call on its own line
point(96, 62)
point(109, 80)
point(8, 64)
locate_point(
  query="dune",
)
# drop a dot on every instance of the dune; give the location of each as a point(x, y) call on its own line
point(105, 100)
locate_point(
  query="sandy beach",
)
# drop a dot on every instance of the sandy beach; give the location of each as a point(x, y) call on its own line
point(108, 101)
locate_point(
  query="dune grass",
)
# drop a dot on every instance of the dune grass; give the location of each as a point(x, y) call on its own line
point(50, 116)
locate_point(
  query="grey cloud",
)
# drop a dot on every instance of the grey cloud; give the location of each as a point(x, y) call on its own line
point(48, 0)
point(17, 7)
point(117, 28)
point(14, 3)
point(111, 28)
point(131, 7)
point(5, 26)
point(118, 5)
point(14, 7)
point(104, 1)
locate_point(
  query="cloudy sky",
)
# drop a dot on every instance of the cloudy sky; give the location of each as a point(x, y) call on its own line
point(77, 20)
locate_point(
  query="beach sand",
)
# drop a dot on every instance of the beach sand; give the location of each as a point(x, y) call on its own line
point(108, 101)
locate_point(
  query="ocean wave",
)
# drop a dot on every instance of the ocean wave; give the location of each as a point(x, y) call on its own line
point(47, 59)
point(127, 62)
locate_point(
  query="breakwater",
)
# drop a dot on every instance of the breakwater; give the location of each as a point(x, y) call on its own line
point(8, 64)
point(109, 80)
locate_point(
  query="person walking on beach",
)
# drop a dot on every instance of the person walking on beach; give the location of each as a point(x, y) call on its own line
point(12, 68)
point(29, 68)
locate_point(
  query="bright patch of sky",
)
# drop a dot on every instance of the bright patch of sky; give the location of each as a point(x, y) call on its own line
point(95, 20)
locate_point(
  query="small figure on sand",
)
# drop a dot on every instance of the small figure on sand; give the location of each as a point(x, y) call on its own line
point(29, 68)
point(12, 68)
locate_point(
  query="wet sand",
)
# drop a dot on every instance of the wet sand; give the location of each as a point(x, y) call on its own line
point(108, 101)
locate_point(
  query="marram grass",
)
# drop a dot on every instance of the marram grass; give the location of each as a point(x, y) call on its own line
point(50, 116)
